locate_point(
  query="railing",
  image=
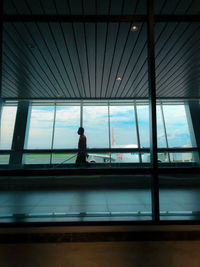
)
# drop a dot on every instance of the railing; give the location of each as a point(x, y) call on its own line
point(108, 156)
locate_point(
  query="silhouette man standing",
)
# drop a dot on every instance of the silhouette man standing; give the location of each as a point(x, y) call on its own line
point(82, 145)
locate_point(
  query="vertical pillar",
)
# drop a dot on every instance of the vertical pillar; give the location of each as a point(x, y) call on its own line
point(19, 135)
point(152, 111)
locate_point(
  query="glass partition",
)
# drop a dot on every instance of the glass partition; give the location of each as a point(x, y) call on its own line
point(67, 121)
point(108, 126)
point(123, 127)
point(176, 126)
point(143, 124)
point(95, 123)
point(40, 127)
point(7, 124)
point(4, 159)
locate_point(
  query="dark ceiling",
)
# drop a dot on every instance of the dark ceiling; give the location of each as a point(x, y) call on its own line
point(84, 60)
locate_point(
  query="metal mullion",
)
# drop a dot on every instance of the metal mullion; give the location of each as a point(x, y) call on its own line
point(109, 129)
point(137, 131)
point(165, 129)
point(96, 18)
point(152, 111)
point(52, 141)
point(81, 114)
point(72, 18)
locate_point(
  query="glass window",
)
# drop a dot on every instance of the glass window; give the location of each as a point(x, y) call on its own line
point(160, 128)
point(66, 125)
point(143, 124)
point(7, 124)
point(36, 158)
point(62, 159)
point(176, 126)
point(124, 158)
point(4, 159)
point(123, 127)
point(95, 123)
point(40, 130)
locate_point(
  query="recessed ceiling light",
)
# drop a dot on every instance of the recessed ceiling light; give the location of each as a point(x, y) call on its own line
point(119, 78)
point(134, 28)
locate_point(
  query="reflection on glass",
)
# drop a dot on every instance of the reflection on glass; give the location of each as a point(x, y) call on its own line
point(182, 157)
point(4, 159)
point(123, 127)
point(125, 158)
point(36, 158)
point(145, 157)
point(40, 130)
point(143, 124)
point(7, 124)
point(99, 157)
point(95, 123)
point(163, 157)
point(176, 126)
point(63, 159)
point(160, 128)
point(66, 126)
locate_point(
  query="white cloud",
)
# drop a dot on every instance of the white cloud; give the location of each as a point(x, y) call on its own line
point(7, 126)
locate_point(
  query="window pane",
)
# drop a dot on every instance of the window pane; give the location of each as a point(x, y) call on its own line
point(123, 127)
point(160, 128)
point(40, 130)
point(62, 159)
point(182, 157)
point(4, 159)
point(95, 123)
point(66, 126)
point(7, 124)
point(124, 158)
point(176, 126)
point(143, 125)
point(36, 158)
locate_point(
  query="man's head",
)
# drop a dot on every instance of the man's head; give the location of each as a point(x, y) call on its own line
point(81, 131)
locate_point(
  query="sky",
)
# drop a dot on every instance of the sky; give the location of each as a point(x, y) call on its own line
point(95, 122)
point(7, 126)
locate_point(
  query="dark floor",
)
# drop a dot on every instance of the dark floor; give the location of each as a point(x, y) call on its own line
point(96, 204)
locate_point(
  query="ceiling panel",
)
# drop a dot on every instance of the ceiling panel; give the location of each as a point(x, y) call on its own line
point(89, 7)
point(74, 60)
point(86, 60)
point(178, 7)
point(177, 59)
